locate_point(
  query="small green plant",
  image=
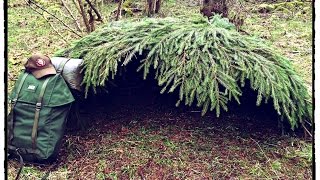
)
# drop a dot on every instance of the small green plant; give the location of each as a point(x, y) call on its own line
point(276, 165)
point(112, 175)
point(306, 152)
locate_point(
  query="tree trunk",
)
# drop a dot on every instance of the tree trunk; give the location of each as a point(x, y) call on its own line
point(91, 20)
point(95, 10)
point(119, 10)
point(153, 6)
point(158, 6)
point(211, 7)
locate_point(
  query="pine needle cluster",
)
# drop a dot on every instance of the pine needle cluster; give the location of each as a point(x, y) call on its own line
point(207, 61)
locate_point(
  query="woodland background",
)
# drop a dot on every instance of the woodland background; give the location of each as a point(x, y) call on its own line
point(130, 141)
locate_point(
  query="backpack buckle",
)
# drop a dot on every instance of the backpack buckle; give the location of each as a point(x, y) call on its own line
point(38, 106)
point(13, 101)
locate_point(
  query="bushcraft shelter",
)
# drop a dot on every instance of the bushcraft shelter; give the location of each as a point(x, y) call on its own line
point(204, 63)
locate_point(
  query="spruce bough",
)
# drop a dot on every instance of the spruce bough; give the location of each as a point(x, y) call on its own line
point(207, 61)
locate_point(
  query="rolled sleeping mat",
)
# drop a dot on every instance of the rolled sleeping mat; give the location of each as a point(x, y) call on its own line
point(71, 72)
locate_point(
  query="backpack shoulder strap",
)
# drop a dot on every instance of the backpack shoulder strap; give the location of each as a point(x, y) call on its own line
point(13, 104)
point(37, 113)
point(61, 65)
point(19, 87)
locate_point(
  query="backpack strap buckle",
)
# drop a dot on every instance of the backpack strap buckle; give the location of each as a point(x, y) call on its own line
point(13, 101)
point(38, 106)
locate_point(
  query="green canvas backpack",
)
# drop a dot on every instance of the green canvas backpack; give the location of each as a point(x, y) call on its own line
point(36, 122)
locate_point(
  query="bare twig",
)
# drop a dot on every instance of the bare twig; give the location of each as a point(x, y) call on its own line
point(268, 159)
point(55, 30)
point(310, 124)
point(306, 131)
point(49, 23)
point(84, 16)
point(77, 5)
point(38, 6)
point(73, 17)
point(95, 11)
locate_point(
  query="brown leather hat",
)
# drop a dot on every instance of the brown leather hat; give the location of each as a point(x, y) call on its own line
point(40, 66)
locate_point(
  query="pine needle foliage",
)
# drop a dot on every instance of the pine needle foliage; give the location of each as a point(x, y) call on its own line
point(207, 61)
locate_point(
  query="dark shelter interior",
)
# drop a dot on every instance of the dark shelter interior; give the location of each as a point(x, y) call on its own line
point(131, 96)
point(129, 93)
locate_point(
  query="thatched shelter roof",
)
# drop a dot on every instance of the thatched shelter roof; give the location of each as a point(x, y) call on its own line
point(207, 61)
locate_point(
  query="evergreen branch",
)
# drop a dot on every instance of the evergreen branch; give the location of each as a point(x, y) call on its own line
point(207, 62)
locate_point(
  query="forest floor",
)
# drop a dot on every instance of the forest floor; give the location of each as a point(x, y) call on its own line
point(144, 137)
